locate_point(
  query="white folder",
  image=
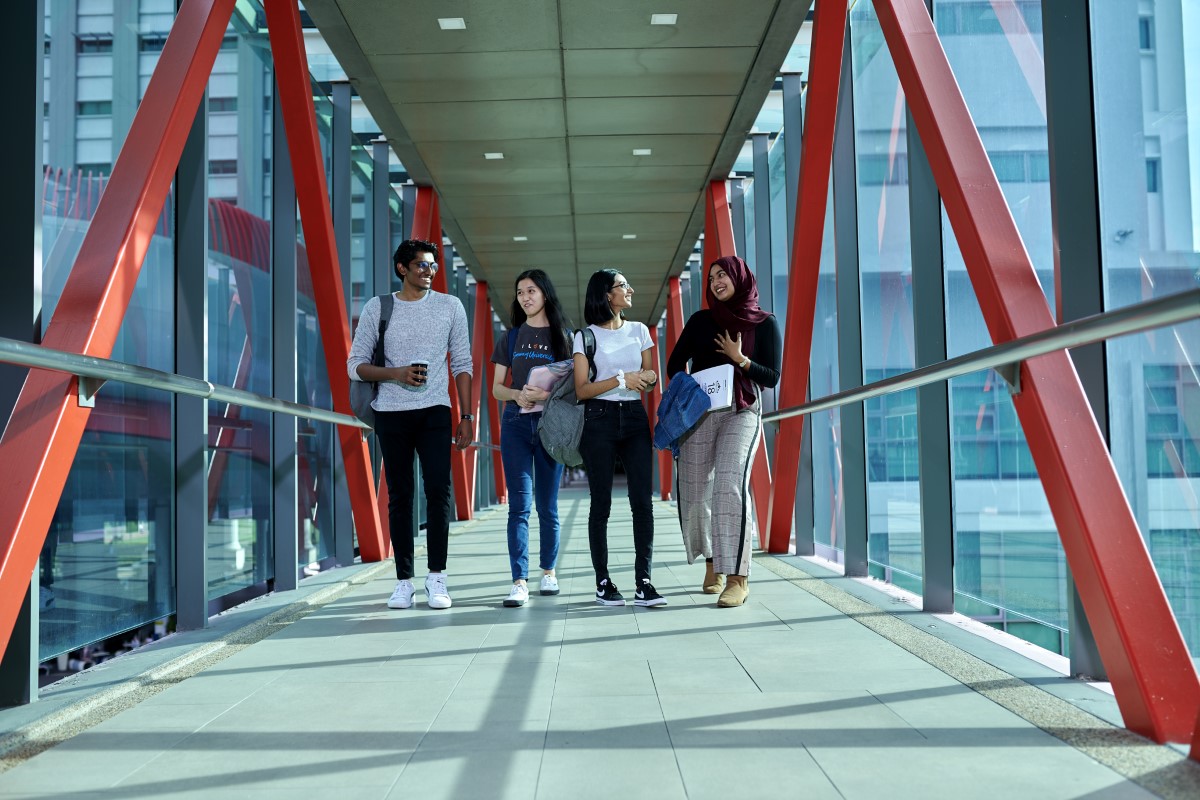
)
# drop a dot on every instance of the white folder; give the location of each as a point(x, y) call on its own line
point(717, 383)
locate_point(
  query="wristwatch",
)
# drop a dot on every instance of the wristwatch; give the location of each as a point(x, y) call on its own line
point(745, 361)
point(468, 416)
point(621, 379)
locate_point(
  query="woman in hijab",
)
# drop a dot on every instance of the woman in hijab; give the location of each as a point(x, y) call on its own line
point(715, 458)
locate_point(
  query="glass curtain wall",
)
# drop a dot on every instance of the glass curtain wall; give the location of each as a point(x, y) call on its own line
point(1146, 58)
point(239, 308)
point(829, 519)
point(107, 564)
point(1009, 566)
point(315, 440)
point(885, 263)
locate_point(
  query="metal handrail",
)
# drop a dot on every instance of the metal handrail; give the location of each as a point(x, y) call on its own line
point(92, 368)
point(1157, 313)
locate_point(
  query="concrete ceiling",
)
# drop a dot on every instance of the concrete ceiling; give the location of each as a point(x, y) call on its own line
point(566, 90)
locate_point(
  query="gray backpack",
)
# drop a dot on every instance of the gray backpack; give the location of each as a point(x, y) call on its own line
point(561, 427)
point(362, 393)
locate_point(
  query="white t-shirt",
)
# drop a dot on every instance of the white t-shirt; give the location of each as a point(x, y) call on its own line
point(619, 349)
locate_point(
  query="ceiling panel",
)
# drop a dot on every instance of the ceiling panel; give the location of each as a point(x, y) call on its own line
point(490, 119)
point(701, 23)
point(585, 180)
point(411, 26)
point(614, 116)
point(463, 77)
point(666, 72)
point(617, 151)
point(566, 90)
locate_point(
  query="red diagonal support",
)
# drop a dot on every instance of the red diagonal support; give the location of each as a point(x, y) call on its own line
point(312, 196)
point(43, 433)
point(1152, 674)
point(718, 241)
point(816, 158)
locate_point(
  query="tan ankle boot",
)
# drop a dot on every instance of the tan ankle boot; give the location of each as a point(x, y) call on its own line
point(713, 581)
point(735, 592)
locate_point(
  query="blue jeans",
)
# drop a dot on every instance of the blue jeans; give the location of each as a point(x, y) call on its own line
point(528, 468)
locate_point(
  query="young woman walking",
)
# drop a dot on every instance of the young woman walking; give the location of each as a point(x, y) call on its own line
point(616, 426)
point(538, 336)
point(715, 458)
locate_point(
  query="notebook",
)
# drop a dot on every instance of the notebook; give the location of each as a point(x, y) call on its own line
point(717, 382)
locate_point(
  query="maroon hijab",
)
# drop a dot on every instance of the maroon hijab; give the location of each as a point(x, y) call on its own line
point(739, 314)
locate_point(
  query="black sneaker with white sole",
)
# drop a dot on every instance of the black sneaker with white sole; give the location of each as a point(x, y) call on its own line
point(607, 594)
point(647, 595)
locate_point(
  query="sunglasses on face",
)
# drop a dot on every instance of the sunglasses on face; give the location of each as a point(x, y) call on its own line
point(426, 266)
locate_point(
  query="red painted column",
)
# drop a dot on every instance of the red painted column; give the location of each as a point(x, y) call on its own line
point(816, 159)
point(427, 225)
point(674, 331)
point(488, 377)
point(312, 197)
point(1152, 674)
point(653, 400)
point(47, 423)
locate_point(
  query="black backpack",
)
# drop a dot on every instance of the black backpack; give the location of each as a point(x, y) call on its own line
point(362, 393)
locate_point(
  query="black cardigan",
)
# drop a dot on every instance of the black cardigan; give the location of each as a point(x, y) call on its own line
point(696, 344)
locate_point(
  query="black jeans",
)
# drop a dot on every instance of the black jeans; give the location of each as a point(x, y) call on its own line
point(613, 430)
point(425, 431)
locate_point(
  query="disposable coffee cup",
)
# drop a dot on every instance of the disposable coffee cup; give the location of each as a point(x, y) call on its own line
point(423, 366)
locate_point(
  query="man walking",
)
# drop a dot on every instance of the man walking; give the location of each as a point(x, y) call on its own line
point(412, 408)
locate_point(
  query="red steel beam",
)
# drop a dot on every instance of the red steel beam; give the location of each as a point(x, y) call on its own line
point(653, 400)
point(719, 241)
point(1152, 674)
point(40, 441)
point(816, 159)
point(312, 196)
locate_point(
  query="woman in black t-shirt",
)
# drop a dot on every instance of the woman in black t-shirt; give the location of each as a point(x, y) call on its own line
point(538, 336)
point(715, 458)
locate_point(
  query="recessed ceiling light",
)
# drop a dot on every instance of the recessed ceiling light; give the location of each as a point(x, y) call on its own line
point(642, 151)
point(493, 156)
point(520, 238)
point(452, 23)
point(663, 19)
point(629, 236)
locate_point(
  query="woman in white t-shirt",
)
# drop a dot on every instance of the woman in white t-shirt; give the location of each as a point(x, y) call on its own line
point(616, 426)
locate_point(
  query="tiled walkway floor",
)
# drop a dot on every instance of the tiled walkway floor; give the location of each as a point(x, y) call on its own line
point(784, 697)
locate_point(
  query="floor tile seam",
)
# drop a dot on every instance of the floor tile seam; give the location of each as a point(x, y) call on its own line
point(36, 737)
point(1154, 767)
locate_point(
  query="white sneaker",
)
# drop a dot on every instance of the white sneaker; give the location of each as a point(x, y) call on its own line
point(549, 585)
point(402, 596)
point(436, 594)
point(518, 595)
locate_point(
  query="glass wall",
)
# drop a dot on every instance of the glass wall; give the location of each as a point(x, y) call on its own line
point(316, 440)
point(885, 262)
point(239, 310)
point(107, 564)
point(1147, 87)
point(1009, 565)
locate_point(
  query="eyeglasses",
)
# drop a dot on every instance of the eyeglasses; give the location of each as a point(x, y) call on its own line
point(426, 266)
point(620, 286)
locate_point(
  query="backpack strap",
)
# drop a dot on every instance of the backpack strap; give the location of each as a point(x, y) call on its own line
point(512, 346)
point(589, 350)
point(386, 303)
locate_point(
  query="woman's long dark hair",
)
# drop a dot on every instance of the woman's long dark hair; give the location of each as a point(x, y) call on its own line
point(560, 343)
point(596, 310)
